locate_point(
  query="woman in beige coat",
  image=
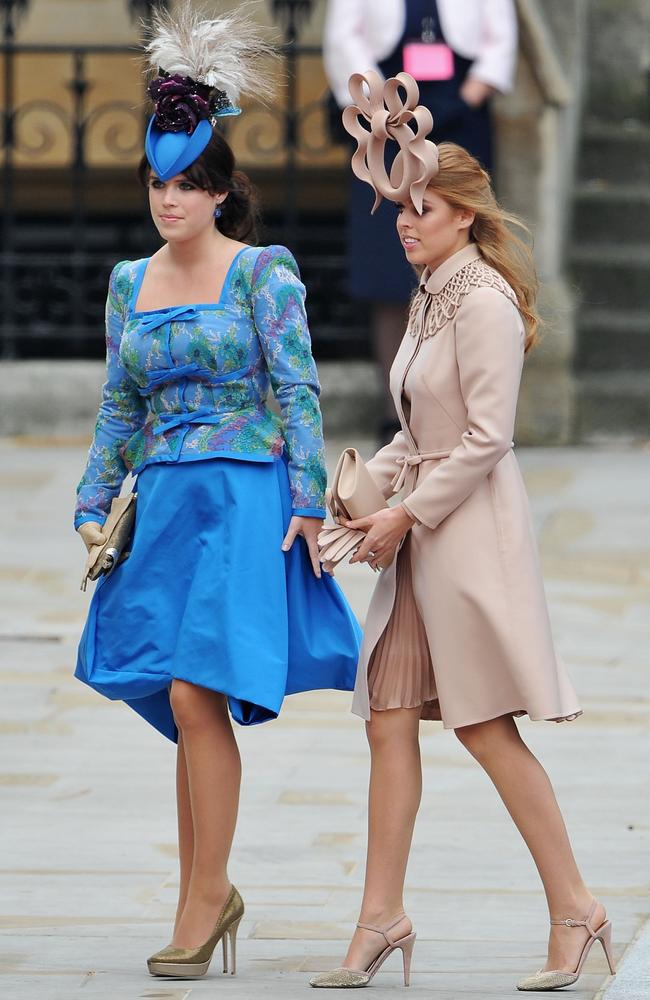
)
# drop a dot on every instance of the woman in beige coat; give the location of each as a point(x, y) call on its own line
point(458, 628)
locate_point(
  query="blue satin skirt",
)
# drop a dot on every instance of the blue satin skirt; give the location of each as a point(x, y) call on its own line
point(207, 596)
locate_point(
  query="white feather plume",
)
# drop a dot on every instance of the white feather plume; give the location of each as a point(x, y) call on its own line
point(228, 52)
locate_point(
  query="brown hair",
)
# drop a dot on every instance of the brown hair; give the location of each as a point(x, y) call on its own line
point(463, 183)
point(214, 171)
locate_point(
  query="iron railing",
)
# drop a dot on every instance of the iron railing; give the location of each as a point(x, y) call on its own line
point(54, 262)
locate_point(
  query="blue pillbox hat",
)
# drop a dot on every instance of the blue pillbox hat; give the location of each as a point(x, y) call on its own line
point(170, 153)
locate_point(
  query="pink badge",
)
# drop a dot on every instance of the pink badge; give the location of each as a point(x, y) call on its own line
point(428, 60)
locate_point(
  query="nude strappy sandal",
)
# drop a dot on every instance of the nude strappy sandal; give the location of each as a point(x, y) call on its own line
point(556, 979)
point(346, 979)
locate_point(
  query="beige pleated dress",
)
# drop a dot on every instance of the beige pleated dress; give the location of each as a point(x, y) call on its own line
point(458, 624)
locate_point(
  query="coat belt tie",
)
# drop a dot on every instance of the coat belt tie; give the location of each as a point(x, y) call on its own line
point(409, 464)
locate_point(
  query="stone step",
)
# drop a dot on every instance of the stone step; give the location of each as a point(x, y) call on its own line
point(604, 212)
point(61, 397)
point(612, 340)
point(616, 153)
point(33, 402)
point(613, 404)
point(610, 276)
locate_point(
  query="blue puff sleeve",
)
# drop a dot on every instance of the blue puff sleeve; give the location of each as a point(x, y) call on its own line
point(122, 412)
point(278, 302)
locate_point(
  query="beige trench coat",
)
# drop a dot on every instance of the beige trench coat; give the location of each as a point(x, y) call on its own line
point(476, 579)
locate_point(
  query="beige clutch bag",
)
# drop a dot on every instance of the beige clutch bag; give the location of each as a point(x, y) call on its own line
point(118, 529)
point(353, 494)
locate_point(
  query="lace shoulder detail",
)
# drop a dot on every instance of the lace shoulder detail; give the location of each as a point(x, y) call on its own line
point(430, 312)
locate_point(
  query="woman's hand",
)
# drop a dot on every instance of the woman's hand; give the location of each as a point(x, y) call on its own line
point(91, 534)
point(475, 92)
point(309, 528)
point(384, 531)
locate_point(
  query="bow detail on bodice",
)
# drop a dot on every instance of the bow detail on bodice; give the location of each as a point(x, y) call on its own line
point(174, 314)
point(193, 371)
point(170, 421)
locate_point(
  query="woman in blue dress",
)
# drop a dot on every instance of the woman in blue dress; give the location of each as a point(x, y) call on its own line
point(220, 609)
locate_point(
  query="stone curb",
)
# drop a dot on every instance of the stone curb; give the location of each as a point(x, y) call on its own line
point(632, 980)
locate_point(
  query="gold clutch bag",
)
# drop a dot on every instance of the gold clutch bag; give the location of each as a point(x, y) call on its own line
point(118, 528)
point(353, 494)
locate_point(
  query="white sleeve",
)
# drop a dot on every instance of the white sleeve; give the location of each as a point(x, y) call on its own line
point(495, 62)
point(345, 48)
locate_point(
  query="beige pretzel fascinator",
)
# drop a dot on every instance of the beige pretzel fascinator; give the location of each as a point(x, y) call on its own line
point(379, 103)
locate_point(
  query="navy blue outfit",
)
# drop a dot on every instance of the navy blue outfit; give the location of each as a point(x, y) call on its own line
point(386, 276)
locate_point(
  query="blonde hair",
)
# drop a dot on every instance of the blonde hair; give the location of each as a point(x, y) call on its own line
point(463, 183)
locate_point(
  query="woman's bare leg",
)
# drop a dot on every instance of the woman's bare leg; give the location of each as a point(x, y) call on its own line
point(185, 828)
point(393, 802)
point(528, 795)
point(214, 777)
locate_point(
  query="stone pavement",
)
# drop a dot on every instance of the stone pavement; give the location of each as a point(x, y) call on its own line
point(88, 871)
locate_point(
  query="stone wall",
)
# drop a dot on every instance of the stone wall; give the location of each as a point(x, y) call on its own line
point(537, 129)
point(619, 59)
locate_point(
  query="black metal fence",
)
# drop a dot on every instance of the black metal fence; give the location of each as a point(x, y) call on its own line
point(59, 241)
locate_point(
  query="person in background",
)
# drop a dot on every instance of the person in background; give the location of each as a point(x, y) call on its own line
point(460, 54)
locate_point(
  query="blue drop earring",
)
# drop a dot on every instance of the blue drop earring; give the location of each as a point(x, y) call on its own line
point(217, 212)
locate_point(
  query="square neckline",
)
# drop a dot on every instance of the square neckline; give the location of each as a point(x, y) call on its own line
point(182, 305)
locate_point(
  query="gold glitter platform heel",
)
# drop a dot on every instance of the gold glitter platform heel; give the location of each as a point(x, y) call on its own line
point(556, 979)
point(348, 979)
point(192, 963)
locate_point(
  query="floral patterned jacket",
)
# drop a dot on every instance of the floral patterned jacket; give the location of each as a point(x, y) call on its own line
point(191, 382)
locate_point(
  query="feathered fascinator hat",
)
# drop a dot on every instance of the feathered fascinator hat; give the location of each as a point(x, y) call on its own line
point(204, 65)
point(379, 112)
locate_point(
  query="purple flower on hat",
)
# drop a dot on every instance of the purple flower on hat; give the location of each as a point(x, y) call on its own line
point(181, 103)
